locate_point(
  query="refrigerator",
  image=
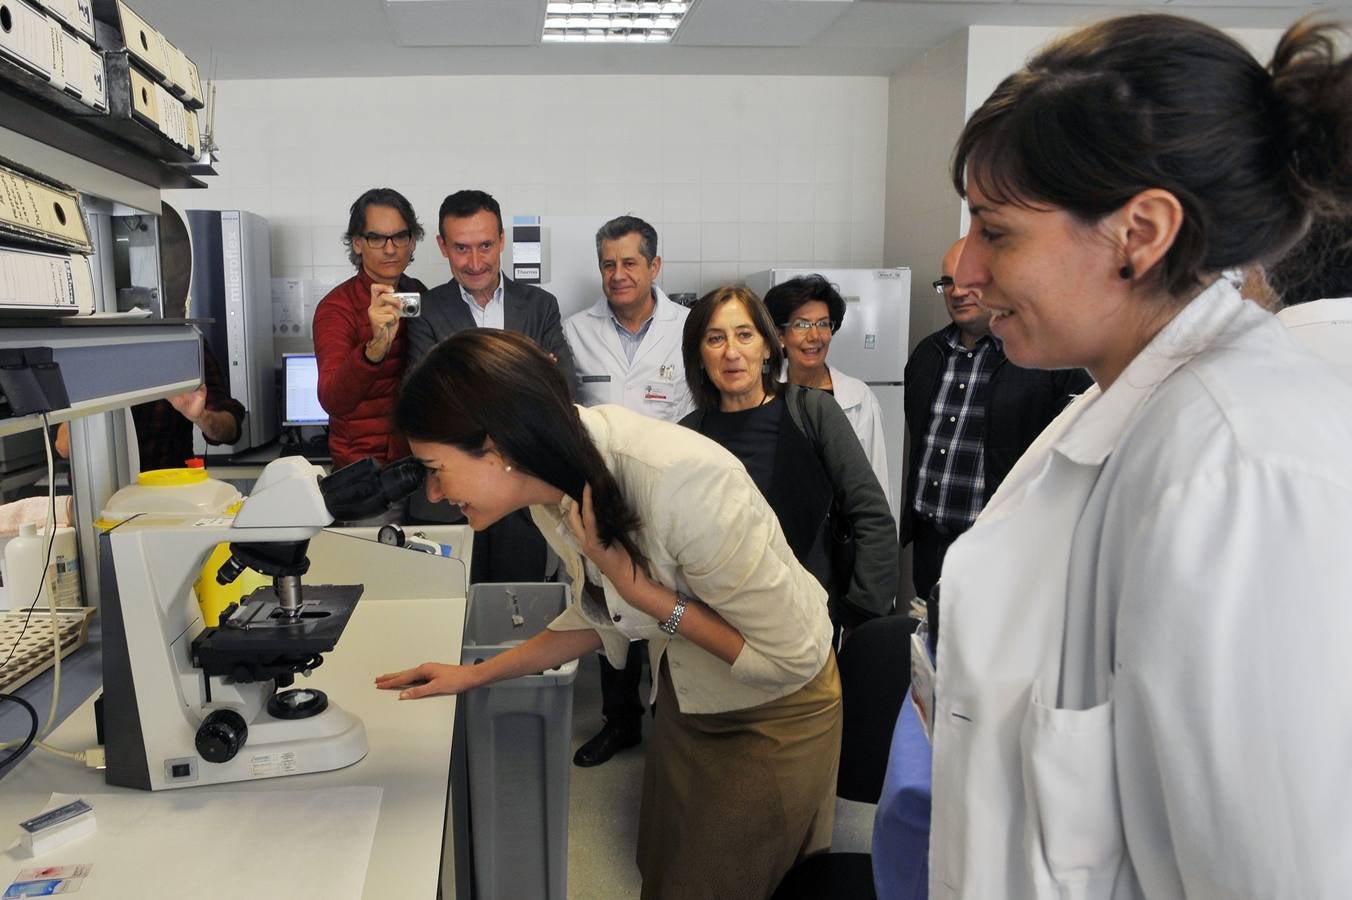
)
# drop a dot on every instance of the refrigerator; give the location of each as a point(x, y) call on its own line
point(871, 344)
point(232, 286)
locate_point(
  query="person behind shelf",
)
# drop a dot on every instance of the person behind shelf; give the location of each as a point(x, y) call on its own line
point(471, 237)
point(164, 428)
point(1145, 629)
point(666, 538)
point(360, 339)
point(799, 449)
point(808, 311)
point(627, 350)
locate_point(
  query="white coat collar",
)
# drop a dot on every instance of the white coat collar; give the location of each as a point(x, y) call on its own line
point(1330, 309)
point(848, 390)
point(1097, 430)
point(664, 311)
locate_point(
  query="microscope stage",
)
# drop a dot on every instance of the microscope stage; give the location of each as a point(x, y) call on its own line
point(260, 639)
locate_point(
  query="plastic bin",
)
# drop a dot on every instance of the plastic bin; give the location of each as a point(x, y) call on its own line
point(518, 734)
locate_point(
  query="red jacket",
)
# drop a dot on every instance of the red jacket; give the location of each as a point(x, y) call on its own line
point(357, 393)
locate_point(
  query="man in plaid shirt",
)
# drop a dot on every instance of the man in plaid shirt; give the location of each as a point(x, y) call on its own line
point(970, 413)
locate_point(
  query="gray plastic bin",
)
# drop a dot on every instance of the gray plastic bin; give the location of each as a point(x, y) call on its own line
point(518, 734)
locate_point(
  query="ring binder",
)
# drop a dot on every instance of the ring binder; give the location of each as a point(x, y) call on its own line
point(41, 211)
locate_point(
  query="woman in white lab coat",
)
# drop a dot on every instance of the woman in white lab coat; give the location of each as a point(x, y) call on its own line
point(1142, 671)
point(808, 311)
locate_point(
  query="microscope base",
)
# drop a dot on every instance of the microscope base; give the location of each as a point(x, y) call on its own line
point(333, 739)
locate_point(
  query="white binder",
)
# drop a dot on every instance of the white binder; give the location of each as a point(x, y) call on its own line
point(94, 87)
point(143, 42)
point(183, 80)
point(45, 282)
point(145, 98)
point(77, 15)
point(84, 74)
point(28, 40)
point(81, 18)
point(34, 210)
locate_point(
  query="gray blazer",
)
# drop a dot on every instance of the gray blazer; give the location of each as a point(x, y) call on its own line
point(527, 309)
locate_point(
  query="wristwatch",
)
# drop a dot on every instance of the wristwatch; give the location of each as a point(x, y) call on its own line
point(671, 624)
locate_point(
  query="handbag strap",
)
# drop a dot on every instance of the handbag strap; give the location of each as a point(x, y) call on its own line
point(800, 401)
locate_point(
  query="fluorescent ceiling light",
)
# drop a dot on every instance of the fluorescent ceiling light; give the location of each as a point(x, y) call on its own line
point(621, 21)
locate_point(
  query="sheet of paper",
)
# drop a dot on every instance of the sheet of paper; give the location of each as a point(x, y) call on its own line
point(302, 845)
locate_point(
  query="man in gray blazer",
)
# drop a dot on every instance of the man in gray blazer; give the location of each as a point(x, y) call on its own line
point(480, 295)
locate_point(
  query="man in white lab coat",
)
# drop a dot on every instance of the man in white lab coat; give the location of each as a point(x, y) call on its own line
point(627, 351)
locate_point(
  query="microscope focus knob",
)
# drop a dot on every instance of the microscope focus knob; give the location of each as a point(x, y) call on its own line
point(220, 735)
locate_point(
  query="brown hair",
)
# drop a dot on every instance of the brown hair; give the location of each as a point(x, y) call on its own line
point(483, 384)
point(356, 217)
point(702, 389)
point(1156, 101)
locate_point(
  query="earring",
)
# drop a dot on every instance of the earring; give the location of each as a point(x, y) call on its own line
point(765, 367)
point(1127, 272)
point(506, 468)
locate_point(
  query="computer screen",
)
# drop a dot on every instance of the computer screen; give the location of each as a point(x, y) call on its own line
point(300, 386)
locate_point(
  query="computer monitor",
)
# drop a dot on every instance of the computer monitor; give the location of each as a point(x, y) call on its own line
point(300, 391)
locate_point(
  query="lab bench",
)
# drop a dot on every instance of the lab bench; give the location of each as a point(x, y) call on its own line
point(420, 847)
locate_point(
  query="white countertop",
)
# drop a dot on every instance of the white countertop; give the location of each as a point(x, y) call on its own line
point(409, 759)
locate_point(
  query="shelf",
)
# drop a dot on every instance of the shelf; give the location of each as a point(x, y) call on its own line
point(32, 107)
point(109, 366)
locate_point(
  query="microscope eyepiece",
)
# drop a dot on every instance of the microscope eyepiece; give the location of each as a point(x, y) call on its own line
point(364, 489)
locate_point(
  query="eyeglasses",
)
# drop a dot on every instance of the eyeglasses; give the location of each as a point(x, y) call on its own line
point(376, 241)
point(803, 325)
point(940, 285)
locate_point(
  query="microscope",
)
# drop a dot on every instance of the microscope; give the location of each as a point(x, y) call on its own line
point(187, 705)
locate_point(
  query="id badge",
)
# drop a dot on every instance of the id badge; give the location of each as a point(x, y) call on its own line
point(922, 680)
point(661, 390)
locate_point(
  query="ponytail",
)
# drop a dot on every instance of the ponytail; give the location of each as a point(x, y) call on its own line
point(1313, 88)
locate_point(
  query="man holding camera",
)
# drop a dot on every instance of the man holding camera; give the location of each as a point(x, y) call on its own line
point(479, 295)
point(358, 339)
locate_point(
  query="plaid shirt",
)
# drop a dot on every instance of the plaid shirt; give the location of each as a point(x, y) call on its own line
point(164, 436)
point(952, 482)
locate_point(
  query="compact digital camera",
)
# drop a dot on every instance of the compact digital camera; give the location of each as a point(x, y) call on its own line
point(410, 304)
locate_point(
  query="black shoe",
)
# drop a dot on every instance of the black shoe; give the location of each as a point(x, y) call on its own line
point(610, 740)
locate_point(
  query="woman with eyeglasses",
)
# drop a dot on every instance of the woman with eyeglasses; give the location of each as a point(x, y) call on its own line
point(799, 449)
point(1143, 671)
point(666, 539)
point(809, 310)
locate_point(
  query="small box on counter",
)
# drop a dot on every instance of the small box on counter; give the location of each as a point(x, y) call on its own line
point(56, 827)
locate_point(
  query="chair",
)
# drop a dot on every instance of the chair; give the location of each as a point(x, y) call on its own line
point(875, 670)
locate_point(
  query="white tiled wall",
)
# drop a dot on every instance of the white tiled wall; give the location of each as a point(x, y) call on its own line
point(738, 173)
point(925, 116)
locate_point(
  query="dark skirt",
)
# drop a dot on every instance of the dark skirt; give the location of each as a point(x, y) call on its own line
point(732, 800)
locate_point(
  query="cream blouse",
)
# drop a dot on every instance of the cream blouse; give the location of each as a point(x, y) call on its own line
point(709, 534)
